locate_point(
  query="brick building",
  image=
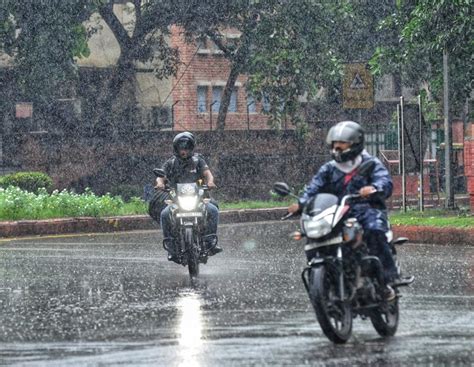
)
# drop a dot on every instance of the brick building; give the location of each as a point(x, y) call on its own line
point(197, 89)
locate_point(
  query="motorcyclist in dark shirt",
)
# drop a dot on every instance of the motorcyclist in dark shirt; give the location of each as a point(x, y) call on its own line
point(337, 177)
point(187, 167)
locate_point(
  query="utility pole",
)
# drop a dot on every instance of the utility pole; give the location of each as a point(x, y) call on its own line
point(402, 154)
point(448, 135)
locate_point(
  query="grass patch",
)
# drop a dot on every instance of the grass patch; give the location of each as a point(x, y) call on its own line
point(434, 218)
point(17, 204)
point(254, 204)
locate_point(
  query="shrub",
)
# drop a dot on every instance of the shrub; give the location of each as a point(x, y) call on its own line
point(28, 181)
point(19, 204)
point(127, 191)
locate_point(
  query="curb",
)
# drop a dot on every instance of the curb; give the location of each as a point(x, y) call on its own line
point(10, 229)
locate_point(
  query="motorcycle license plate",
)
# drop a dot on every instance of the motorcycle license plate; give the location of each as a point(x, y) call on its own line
point(333, 241)
point(190, 214)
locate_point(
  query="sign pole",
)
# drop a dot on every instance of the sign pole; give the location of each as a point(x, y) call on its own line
point(402, 153)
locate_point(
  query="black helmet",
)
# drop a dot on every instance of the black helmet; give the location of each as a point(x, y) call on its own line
point(184, 140)
point(348, 132)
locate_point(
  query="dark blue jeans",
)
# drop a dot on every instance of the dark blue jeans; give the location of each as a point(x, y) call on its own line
point(212, 221)
point(375, 224)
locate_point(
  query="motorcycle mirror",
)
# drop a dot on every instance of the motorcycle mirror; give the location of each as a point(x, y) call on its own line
point(281, 188)
point(159, 172)
point(366, 168)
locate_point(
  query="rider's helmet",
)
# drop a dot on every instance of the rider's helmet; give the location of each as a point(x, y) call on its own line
point(184, 141)
point(348, 132)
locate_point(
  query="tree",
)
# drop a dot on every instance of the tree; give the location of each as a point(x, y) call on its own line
point(51, 34)
point(279, 42)
point(429, 32)
point(44, 38)
point(147, 43)
point(424, 29)
point(210, 18)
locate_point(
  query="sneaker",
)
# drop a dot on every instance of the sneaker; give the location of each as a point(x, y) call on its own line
point(389, 294)
point(211, 245)
point(170, 246)
point(397, 282)
point(215, 250)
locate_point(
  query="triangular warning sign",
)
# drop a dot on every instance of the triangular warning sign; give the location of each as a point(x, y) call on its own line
point(357, 83)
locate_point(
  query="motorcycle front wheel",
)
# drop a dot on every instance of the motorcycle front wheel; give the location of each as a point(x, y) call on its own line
point(334, 316)
point(385, 318)
point(193, 255)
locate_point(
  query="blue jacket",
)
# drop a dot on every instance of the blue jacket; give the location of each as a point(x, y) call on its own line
point(329, 179)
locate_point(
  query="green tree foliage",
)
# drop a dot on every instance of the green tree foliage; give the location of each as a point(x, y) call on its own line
point(424, 29)
point(291, 50)
point(284, 47)
point(44, 37)
point(294, 56)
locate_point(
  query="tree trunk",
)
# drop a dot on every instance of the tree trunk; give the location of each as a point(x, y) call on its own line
point(226, 95)
point(104, 116)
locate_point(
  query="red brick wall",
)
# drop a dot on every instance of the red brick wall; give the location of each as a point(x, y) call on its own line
point(411, 185)
point(469, 162)
point(211, 69)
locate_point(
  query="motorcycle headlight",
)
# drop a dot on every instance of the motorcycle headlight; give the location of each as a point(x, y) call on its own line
point(317, 228)
point(187, 202)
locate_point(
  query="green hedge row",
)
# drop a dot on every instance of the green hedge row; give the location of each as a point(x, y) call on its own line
point(28, 181)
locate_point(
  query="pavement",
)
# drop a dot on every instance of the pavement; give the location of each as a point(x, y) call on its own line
point(22, 228)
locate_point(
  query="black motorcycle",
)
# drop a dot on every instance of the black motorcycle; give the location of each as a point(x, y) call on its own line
point(342, 279)
point(189, 215)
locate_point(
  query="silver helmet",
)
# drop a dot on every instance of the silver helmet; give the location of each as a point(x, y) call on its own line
point(348, 132)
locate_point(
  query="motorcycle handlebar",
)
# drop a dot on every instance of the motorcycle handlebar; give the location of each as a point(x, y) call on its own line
point(287, 216)
point(359, 196)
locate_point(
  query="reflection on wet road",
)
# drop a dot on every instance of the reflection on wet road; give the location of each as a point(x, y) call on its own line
point(113, 299)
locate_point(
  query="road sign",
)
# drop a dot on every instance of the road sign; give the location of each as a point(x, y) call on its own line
point(358, 87)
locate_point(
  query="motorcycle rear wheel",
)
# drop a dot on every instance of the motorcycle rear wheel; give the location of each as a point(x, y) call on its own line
point(193, 256)
point(385, 321)
point(334, 316)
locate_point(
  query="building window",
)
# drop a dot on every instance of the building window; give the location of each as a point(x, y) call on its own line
point(233, 101)
point(266, 103)
point(251, 104)
point(216, 98)
point(201, 98)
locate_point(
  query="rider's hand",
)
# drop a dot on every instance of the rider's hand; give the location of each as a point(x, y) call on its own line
point(294, 208)
point(211, 185)
point(366, 191)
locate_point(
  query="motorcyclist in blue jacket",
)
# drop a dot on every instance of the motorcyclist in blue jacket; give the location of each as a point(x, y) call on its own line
point(337, 177)
point(187, 167)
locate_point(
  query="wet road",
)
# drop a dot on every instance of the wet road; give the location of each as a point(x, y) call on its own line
point(100, 300)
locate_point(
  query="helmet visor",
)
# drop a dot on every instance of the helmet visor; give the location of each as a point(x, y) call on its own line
point(185, 144)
